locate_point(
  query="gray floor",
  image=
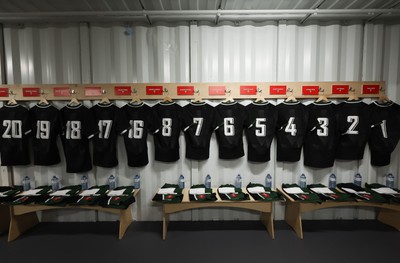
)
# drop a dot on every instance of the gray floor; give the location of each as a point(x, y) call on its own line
point(205, 242)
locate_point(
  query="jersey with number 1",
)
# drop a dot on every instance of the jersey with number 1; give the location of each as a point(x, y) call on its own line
point(78, 127)
point(111, 121)
point(14, 130)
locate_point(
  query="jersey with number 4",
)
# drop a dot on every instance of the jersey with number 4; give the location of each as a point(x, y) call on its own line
point(321, 138)
point(166, 130)
point(198, 120)
point(46, 127)
point(14, 130)
point(290, 130)
point(229, 122)
point(139, 117)
point(353, 122)
point(260, 130)
point(111, 121)
point(385, 132)
point(78, 127)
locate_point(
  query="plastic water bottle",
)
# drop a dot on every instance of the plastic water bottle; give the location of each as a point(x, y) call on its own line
point(84, 182)
point(136, 181)
point(181, 181)
point(112, 184)
point(303, 181)
point(55, 183)
point(332, 181)
point(26, 183)
point(238, 181)
point(357, 179)
point(268, 181)
point(390, 180)
point(207, 182)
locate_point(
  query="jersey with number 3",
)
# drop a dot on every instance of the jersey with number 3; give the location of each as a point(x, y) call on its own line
point(321, 138)
point(198, 121)
point(290, 130)
point(14, 130)
point(46, 127)
point(78, 127)
point(110, 121)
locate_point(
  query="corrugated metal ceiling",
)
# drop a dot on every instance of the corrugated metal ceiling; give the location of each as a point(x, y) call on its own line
point(200, 10)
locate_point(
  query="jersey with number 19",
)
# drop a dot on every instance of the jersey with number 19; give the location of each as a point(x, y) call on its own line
point(78, 127)
point(14, 128)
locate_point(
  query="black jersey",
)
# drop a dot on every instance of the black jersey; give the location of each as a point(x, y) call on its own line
point(14, 130)
point(321, 138)
point(385, 132)
point(198, 121)
point(166, 129)
point(111, 121)
point(78, 127)
point(46, 127)
point(291, 129)
point(229, 123)
point(353, 123)
point(140, 120)
point(260, 130)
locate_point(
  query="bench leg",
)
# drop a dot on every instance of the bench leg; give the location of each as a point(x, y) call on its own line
point(267, 220)
point(4, 218)
point(165, 225)
point(293, 218)
point(21, 223)
point(125, 219)
point(390, 217)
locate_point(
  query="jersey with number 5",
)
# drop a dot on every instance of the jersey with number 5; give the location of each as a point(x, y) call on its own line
point(321, 138)
point(198, 120)
point(14, 128)
point(46, 127)
point(78, 127)
point(290, 130)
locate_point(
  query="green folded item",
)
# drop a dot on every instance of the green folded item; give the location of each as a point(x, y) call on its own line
point(335, 196)
point(268, 195)
point(237, 195)
point(207, 196)
point(91, 199)
point(122, 201)
point(23, 198)
point(306, 196)
point(362, 193)
point(392, 198)
point(175, 197)
point(62, 200)
point(7, 193)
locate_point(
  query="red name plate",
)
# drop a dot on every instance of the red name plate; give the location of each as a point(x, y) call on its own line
point(122, 90)
point(92, 91)
point(61, 92)
point(185, 90)
point(3, 92)
point(310, 90)
point(31, 92)
point(370, 89)
point(248, 90)
point(340, 89)
point(154, 90)
point(216, 90)
point(277, 89)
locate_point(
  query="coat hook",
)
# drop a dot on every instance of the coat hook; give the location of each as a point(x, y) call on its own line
point(382, 89)
point(103, 91)
point(321, 89)
point(259, 90)
point(289, 90)
point(134, 91)
point(72, 92)
point(352, 89)
point(227, 91)
point(165, 90)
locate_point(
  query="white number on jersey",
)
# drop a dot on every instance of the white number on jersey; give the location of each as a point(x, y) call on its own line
point(13, 129)
point(229, 128)
point(105, 128)
point(291, 126)
point(199, 122)
point(261, 127)
point(384, 130)
point(136, 130)
point(323, 126)
point(354, 122)
point(166, 127)
point(43, 129)
point(73, 130)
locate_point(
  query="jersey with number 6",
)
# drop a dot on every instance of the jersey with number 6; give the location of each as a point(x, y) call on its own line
point(110, 121)
point(260, 130)
point(353, 122)
point(166, 130)
point(78, 127)
point(229, 122)
point(198, 120)
point(321, 138)
point(46, 127)
point(290, 130)
point(14, 130)
point(139, 118)
point(385, 132)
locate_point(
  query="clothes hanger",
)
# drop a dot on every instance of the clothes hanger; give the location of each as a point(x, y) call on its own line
point(322, 97)
point(104, 99)
point(12, 100)
point(197, 99)
point(291, 97)
point(135, 99)
point(166, 99)
point(260, 98)
point(43, 101)
point(73, 101)
point(383, 98)
point(353, 95)
point(228, 99)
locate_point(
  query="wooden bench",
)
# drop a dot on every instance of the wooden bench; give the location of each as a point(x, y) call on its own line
point(24, 217)
point(4, 218)
point(387, 213)
point(265, 209)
